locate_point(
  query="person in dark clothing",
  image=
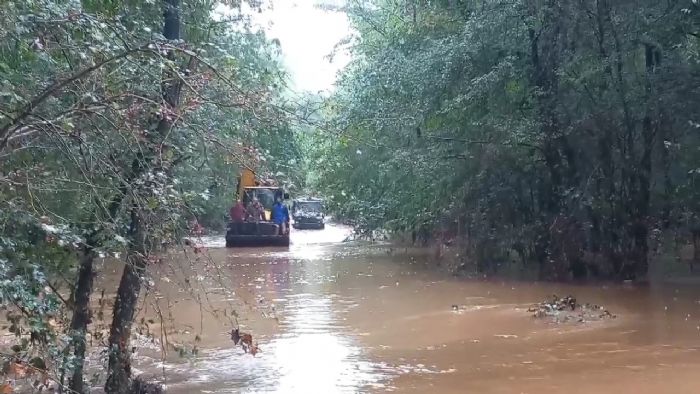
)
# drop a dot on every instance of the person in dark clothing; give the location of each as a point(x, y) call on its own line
point(237, 212)
point(280, 215)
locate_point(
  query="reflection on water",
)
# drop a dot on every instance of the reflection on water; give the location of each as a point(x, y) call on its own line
point(331, 317)
point(310, 356)
point(309, 350)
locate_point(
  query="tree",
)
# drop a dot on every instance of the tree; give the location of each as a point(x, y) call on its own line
point(97, 161)
point(541, 128)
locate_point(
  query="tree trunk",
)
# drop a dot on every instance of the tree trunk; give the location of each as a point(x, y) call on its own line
point(545, 56)
point(695, 232)
point(119, 378)
point(640, 230)
point(119, 373)
point(664, 135)
point(81, 317)
point(119, 367)
point(81, 309)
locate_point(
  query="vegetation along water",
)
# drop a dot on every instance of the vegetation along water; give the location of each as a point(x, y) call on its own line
point(486, 196)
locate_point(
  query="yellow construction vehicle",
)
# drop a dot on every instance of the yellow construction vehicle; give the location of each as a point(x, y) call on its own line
point(257, 232)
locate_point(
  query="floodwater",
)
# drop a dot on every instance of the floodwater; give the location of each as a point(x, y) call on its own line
point(334, 317)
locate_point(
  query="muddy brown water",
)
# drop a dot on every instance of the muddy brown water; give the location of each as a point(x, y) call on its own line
point(333, 317)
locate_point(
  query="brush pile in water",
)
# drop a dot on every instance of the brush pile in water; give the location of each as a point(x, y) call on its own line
point(567, 310)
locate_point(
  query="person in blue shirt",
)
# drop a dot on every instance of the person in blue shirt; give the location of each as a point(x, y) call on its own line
point(280, 215)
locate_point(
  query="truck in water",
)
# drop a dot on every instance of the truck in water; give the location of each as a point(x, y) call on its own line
point(308, 213)
point(258, 231)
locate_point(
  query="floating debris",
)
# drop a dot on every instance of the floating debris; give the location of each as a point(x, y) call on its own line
point(566, 310)
point(245, 340)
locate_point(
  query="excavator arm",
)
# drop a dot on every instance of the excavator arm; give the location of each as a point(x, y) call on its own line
point(246, 179)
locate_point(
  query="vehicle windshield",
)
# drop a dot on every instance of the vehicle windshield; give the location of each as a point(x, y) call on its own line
point(301, 207)
point(265, 196)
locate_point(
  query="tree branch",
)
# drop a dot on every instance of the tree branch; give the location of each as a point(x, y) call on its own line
point(10, 128)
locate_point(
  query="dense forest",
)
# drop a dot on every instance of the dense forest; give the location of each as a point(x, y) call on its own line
point(122, 124)
point(564, 133)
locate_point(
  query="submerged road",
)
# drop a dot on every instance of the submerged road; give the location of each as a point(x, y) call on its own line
point(334, 317)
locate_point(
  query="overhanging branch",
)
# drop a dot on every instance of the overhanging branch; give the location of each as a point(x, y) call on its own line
point(12, 126)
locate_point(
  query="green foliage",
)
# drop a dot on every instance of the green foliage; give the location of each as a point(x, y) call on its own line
point(556, 129)
point(84, 159)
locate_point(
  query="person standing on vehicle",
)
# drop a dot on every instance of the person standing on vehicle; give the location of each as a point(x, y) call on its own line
point(237, 212)
point(256, 212)
point(280, 215)
point(238, 215)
